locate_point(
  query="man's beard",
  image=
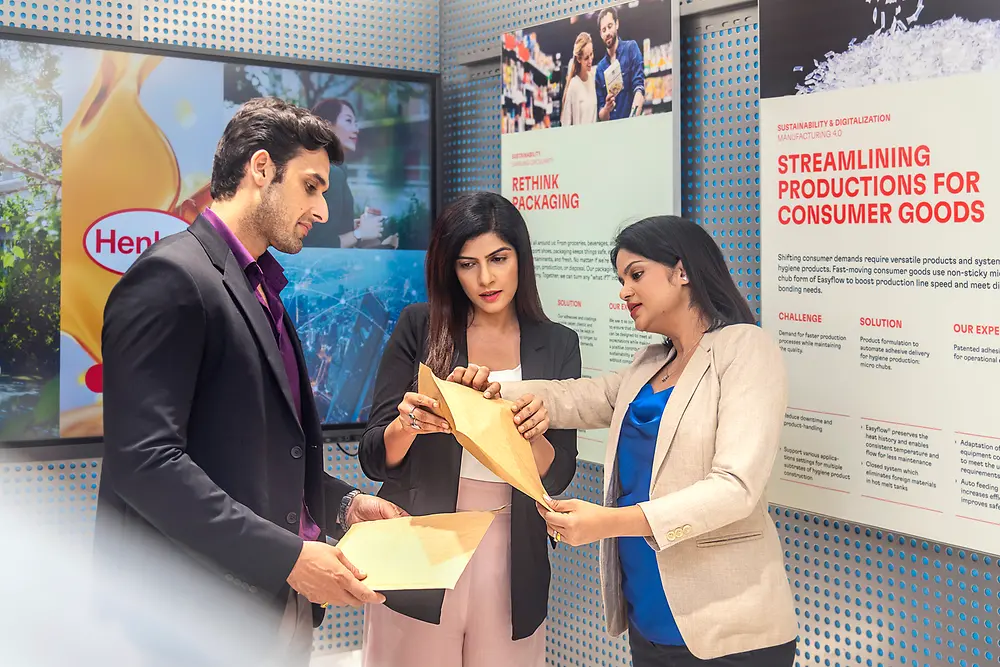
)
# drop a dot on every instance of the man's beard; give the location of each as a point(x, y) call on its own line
point(269, 222)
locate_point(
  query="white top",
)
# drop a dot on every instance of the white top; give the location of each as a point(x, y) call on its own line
point(581, 102)
point(471, 468)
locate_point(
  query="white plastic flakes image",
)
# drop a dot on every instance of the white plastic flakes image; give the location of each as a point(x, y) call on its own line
point(947, 47)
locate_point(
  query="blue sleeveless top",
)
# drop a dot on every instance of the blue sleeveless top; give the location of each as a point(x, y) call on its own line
point(648, 609)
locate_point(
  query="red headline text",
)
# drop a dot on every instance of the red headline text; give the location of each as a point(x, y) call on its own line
point(549, 197)
point(921, 198)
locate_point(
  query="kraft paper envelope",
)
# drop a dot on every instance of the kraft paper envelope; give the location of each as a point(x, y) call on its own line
point(415, 552)
point(485, 427)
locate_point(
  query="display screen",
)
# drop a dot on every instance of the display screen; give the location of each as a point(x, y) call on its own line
point(104, 150)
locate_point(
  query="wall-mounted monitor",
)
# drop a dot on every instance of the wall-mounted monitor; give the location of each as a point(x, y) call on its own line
point(107, 146)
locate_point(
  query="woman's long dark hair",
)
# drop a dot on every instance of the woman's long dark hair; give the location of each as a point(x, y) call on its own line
point(464, 219)
point(667, 239)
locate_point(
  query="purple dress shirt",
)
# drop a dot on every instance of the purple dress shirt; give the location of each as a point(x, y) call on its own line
point(265, 274)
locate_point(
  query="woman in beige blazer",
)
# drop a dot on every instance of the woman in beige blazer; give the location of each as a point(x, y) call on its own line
point(691, 564)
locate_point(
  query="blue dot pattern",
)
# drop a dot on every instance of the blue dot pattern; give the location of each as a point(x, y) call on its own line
point(720, 148)
point(58, 495)
point(399, 34)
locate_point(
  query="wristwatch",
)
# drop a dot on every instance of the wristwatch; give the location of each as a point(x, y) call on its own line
point(345, 505)
point(356, 235)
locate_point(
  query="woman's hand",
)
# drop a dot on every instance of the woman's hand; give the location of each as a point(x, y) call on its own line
point(416, 415)
point(531, 417)
point(477, 377)
point(578, 522)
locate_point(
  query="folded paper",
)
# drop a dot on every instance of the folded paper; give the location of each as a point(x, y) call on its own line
point(485, 427)
point(415, 553)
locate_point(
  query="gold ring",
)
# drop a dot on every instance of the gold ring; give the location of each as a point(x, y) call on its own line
point(558, 537)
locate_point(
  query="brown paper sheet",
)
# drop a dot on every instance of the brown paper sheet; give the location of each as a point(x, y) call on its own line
point(485, 427)
point(415, 553)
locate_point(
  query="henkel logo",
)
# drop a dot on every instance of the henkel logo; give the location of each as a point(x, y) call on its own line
point(117, 239)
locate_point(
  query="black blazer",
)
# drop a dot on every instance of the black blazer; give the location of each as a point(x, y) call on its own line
point(426, 482)
point(205, 458)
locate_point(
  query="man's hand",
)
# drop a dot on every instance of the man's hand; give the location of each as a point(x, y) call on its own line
point(638, 101)
point(324, 576)
point(609, 106)
point(371, 508)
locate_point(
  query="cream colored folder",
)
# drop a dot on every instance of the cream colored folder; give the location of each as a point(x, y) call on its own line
point(415, 553)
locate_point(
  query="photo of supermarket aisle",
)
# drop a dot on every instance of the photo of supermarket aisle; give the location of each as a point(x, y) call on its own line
point(609, 64)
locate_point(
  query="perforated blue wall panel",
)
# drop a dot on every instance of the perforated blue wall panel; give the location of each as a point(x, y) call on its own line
point(575, 630)
point(720, 149)
point(342, 629)
point(401, 34)
point(104, 18)
point(60, 495)
point(872, 597)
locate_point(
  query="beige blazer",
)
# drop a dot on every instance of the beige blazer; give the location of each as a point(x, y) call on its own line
point(720, 560)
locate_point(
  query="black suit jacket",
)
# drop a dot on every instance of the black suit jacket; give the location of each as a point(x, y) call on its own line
point(426, 482)
point(205, 459)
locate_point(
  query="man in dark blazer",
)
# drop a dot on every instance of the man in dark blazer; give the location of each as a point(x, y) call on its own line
point(213, 448)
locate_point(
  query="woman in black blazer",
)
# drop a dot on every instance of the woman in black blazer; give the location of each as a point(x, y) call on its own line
point(483, 307)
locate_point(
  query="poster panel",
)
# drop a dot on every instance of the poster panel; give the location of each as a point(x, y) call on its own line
point(589, 144)
point(881, 259)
